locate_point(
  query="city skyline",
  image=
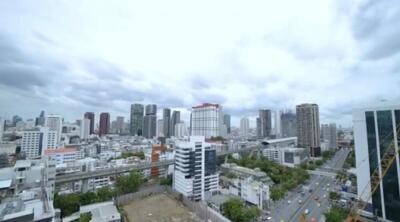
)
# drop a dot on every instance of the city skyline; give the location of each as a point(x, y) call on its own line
point(256, 58)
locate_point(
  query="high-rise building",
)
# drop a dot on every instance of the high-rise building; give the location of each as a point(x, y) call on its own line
point(54, 123)
point(39, 121)
point(167, 122)
point(374, 134)
point(181, 130)
point(90, 116)
point(16, 119)
point(137, 111)
point(227, 123)
point(329, 134)
point(160, 128)
point(85, 129)
point(104, 124)
point(150, 121)
point(244, 127)
point(264, 123)
point(1, 129)
point(35, 141)
point(120, 124)
point(195, 174)
point(288, 124)
point(277, 129)
point(308, 132)
point(175, 119)
point(206, 120)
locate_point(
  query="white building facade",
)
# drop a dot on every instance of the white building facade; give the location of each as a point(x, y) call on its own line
point(181, 130)
point(207, 120)
point(85, 129)
point(195, 174)
point(374, 133)
point(244, 127)
point(54, 123)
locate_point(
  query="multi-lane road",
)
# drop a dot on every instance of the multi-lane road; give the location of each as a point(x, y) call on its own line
point(313, 203)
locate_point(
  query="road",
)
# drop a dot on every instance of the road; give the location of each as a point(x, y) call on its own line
point(295, 204)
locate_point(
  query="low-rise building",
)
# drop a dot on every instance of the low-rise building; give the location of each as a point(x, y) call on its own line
point(63, 155)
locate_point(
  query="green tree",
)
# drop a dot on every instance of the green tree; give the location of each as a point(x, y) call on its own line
point(87, 198)
point(235, 210)
point(104, 194)
point(334, 196)
point(68, 204)
point(319, 162)
point(129, 183)
point(277, 193)
point(85, 217)
point(166, 181)
point(336, 215)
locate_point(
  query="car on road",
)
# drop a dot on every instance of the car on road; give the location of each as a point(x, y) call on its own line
point(324, 195)
point(316, 198)
point(267, 218)
point(289, 202)
point(306, 212)
point(300, 201)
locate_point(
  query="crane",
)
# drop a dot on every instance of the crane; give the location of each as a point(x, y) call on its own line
point(387, 160)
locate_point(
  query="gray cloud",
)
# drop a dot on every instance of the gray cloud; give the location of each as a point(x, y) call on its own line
point(376, 23)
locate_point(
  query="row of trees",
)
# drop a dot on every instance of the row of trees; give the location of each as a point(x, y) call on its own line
point(236, 211)
point(285, 178)
point(312, 165)
point(336, 214)
point(70, 203)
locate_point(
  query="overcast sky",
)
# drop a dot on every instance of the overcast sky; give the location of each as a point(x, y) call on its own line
point(69, 57)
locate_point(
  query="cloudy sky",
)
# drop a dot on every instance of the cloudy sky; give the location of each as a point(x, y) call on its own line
point(69, 57)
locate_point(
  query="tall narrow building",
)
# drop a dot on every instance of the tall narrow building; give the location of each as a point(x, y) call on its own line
point(104, 124)
point(90, 116)
point(119, 124)
point(375, 134)
point(329, 135)
point(195, 174)
point(175, 119)
point(167, 122)
point(1, 129)
point(160, 128)
point(227, 123)
point(40, 120)
point(288, 124)
point(207, 120)
point(137, 111)
point(308, 131)
point(54, 123)
point(244, 127)
point(264, 123)
point(85, 129)
point(150, 121)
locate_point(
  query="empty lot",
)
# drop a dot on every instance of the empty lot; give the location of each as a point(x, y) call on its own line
point(158, 208)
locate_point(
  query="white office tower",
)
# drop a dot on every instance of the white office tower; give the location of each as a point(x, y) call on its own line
point(1, 129)
point(375, 133)
point(180, 130)
point(244, 127)
point(160, 128)
point(195, 174)
point(54, 123)
point(85, 129)
point(34, 142)
point(207, 120)
point(277, 123)
point(329, 135)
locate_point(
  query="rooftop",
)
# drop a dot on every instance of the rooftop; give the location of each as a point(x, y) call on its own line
point(204, 105)
point(60, 151)
point(22, 164)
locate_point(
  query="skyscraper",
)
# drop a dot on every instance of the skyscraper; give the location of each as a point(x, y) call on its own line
point(40, 120)
point(54, 123)
point(150, 121)
point(206, 120)
point(308, 132)
point(329, 134)
point(137, 111)
point(167, 122)
point(160, 128)
point(227, 123)
point(244, 127)
point(104, 124)
point(175, 119)
point(288, 124)
point(120, 124)
point(1, 129)
point(264, 123)
point(375, 134)
point(195, 172)
point(90, 116)
point(85, 129)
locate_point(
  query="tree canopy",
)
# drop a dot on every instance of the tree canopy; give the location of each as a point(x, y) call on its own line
point(236, 211)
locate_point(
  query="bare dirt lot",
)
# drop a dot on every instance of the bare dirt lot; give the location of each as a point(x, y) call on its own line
point(158, 208)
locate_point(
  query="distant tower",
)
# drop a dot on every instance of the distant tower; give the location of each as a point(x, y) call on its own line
point(264, 123)
point(175, 119)
point(288, 124)
point(90, 117)
point(104, 124)
point(244, 127)
point(137, 111)
point(54, 124)
point(308, 132)
point(207, 120)
point(227, 123)
point(167, 122)
point(150, 121)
